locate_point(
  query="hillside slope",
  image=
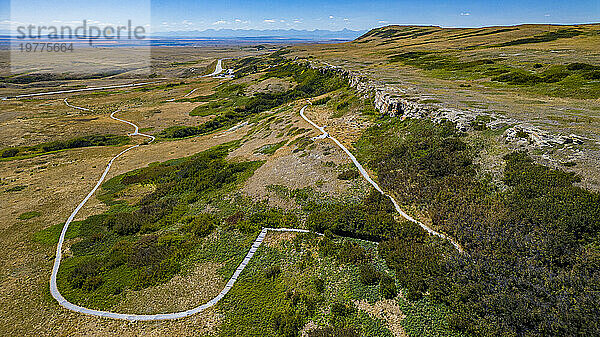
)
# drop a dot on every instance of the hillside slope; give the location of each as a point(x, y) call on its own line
point(543, 80)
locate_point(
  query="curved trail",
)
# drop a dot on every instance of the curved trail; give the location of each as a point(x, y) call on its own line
point(181, 314)
point(364, 173)
point(133, 317)
point(75, 107)
point(184, 96)
point(218, 70)
point(79, 90)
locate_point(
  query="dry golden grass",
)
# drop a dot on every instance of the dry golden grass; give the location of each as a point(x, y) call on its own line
point(388, 311)
point(180, 293)
point(521, 104)
point(56, 183)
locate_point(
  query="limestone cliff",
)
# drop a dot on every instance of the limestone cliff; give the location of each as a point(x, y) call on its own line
point(395, 102)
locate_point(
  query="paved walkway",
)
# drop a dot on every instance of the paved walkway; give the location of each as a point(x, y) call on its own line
point(79, 90)
point(364, 173)
point(132, 317)
point(176, 315)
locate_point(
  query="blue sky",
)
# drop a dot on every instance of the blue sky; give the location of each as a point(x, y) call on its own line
point(169, 15)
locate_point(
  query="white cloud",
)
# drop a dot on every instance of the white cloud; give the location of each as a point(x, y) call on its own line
point(187, 22)
point(465, 14)
point(220, 22)
point(12, 23)
point(346, 19)
point(269, 21)
point(382, 21)
point(298, 21)
point(282, 21)
point(331, 16)
point(546, 15)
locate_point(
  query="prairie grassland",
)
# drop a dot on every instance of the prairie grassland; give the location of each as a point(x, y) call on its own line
point(176, 216)
point(39, 192)
point(539, 75)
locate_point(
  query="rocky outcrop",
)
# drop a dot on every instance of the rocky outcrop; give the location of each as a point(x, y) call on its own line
point(389, 104)
point(528, 135)
point(395, 102)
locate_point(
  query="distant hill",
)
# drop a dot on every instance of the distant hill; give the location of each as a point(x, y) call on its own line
point(313, 35)
point(425, 37)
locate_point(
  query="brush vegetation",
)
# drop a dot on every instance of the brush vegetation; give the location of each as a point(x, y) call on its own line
point(50, 147)
point(231, 106)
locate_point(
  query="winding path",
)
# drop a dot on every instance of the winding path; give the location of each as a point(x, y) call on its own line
point(364, 173)
point(181, 314)
point(133, 317)
point(218, 70)
point(184, 96)
point(79, 90)
point(75, 107)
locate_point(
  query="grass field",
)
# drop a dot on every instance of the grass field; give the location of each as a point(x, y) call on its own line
point(175, 217)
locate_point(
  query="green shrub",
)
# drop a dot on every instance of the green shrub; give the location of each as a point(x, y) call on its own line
point(327, 247)
point(272, 218)
point(545, 37)
point(29, 215)
point(369, 275)
point(351, 252)
point(201, 225)
point(124, 223)
point(334, 332)
point(518, 78)
point(342, 106)
point(339, 309)
point(522, 134)
point(16, 188)
point(86, 141)
point(592, 75)
point(272, 272)
point(372, 219)
point(251, 307)
point(417, 265)
point(147, 251)
point(120, 253)
point(234, 219)
point(86, 275)
point(387, 287)
point(349, 175)
point(322, 101)
point(270, 149)
point(11, 152)
point(288, 324)
point(582, 66)
point(319, 284)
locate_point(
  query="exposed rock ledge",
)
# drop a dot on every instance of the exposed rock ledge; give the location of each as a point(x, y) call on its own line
point(395, 102)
